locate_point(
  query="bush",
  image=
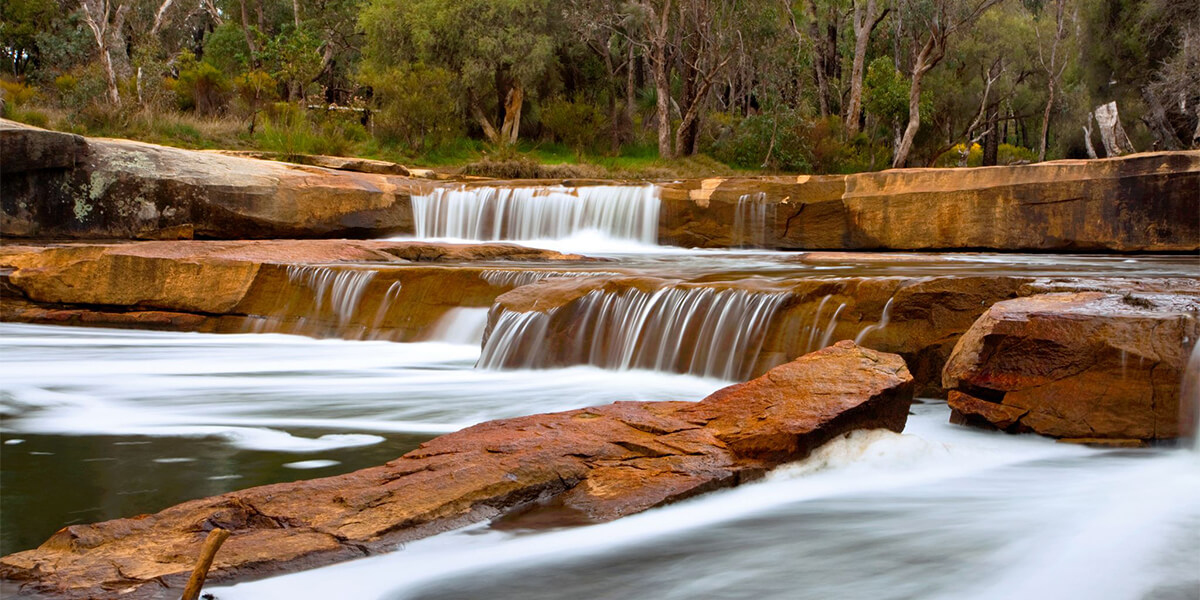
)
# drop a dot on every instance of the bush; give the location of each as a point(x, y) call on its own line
point(763, 141)
point(576, 123)
point(200, 86)
point(80, 87)
point(292, 131)
point(15, 93)
point(1006, 154)
point(414, 106)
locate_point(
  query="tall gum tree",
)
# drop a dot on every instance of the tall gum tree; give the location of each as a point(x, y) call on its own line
point(933, 24)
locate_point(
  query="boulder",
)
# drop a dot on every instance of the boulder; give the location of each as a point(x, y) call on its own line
point(596, 464)
point(24, 148)
point(106, 188)
point(1089, 365)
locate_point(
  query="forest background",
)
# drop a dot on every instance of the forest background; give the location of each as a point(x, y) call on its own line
point(623, 88)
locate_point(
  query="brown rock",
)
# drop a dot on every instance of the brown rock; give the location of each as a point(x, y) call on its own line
point(969, 410)
point(1081, 365)
point(597, 463)
point(285, 286)
point(338, 163)
point(125, 189)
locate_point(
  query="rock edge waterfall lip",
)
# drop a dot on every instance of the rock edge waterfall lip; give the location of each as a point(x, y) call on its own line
point(599, 463)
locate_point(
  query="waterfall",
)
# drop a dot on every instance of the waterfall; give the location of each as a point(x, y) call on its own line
point(342, 288)
point(529, 213)
point(515, 278)
point(701, 331)
point(461, 326)
point(883, 322)
point(751, 221)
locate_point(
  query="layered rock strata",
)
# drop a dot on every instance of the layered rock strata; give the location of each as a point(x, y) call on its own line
point(323, 288)
point(1086, 365)
point(59, 185)
point(596, 463)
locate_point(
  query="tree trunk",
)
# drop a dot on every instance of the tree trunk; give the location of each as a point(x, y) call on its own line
point(991, 140)
point(1046, 124)
point(662, 103)
point(296, 13)
point(1087, 138)
point(249, 38)
point(489, 130)
point(96, 18)
point(1158, 123)
point(864, 23)
point(1112, 135)
point(920, 66)
point(513, 102)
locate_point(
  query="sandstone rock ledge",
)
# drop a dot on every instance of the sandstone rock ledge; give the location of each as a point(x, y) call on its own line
point(1088, 365)
point(596, 463)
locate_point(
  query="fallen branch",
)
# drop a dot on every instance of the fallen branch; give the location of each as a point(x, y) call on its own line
point(208, 551)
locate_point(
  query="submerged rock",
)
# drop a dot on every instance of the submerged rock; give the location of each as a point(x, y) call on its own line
point(1088, 365)
point(596, 464)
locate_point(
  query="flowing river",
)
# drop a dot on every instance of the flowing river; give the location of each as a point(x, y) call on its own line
point(106, 423)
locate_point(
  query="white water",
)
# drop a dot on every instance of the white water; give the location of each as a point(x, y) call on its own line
point(250, 390)
point(752, 220)
point(701, 331)
point(461, 326)
point(941, 512)
point(538, 213)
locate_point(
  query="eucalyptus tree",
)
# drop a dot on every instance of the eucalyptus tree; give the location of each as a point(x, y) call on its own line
point(933, 24)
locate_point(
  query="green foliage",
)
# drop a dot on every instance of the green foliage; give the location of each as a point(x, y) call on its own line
point(885, 93)
point(413, 106)
point(764, 142)
point(20, 23)
point(200, 86)
point(225, 48)
point(80, 87)
point(292, 57)
point(1006, 154)
point(291, 131)
point(488, 45)
point(15, 93)
point(577, 123)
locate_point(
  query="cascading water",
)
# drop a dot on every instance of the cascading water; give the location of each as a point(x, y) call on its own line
point(342, 288)
point(751, 221)
point(538, 213)
point(884, 318)
point(701, 331)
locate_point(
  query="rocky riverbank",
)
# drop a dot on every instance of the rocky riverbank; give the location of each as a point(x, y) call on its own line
point(59, 185)
point(588, 465)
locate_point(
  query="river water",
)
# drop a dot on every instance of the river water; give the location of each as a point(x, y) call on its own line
point(100, 424)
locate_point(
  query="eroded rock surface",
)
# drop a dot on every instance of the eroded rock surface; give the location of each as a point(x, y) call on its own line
point(323, 288)
point(597, 463)
point(1077, 365)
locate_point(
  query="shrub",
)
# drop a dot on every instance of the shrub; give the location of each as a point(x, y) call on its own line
point(80, 87)
point(15, 93)
point(578, 124)
point(200, 86)
point(763, 141)
point(293, 131)
point(413, 106)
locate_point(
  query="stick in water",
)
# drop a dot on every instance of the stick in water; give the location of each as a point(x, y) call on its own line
point(212, 543)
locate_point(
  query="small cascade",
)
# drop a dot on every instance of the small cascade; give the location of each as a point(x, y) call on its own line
point(532, 213)
point(752, 221)
point(341, 288)
point(1189, 396)
point(461, 326)
point(515, 278)
point(320, 301)
point(700, 331)
point(883, 322)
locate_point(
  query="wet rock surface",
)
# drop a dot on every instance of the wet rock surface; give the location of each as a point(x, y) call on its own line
point(596, 463)
point(1088, 365)
point(323, 288)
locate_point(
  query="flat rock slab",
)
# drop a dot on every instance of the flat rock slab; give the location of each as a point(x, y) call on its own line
point(596, 463)
point(1088, 365)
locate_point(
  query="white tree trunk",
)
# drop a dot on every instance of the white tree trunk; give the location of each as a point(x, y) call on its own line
point(1112, 135)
